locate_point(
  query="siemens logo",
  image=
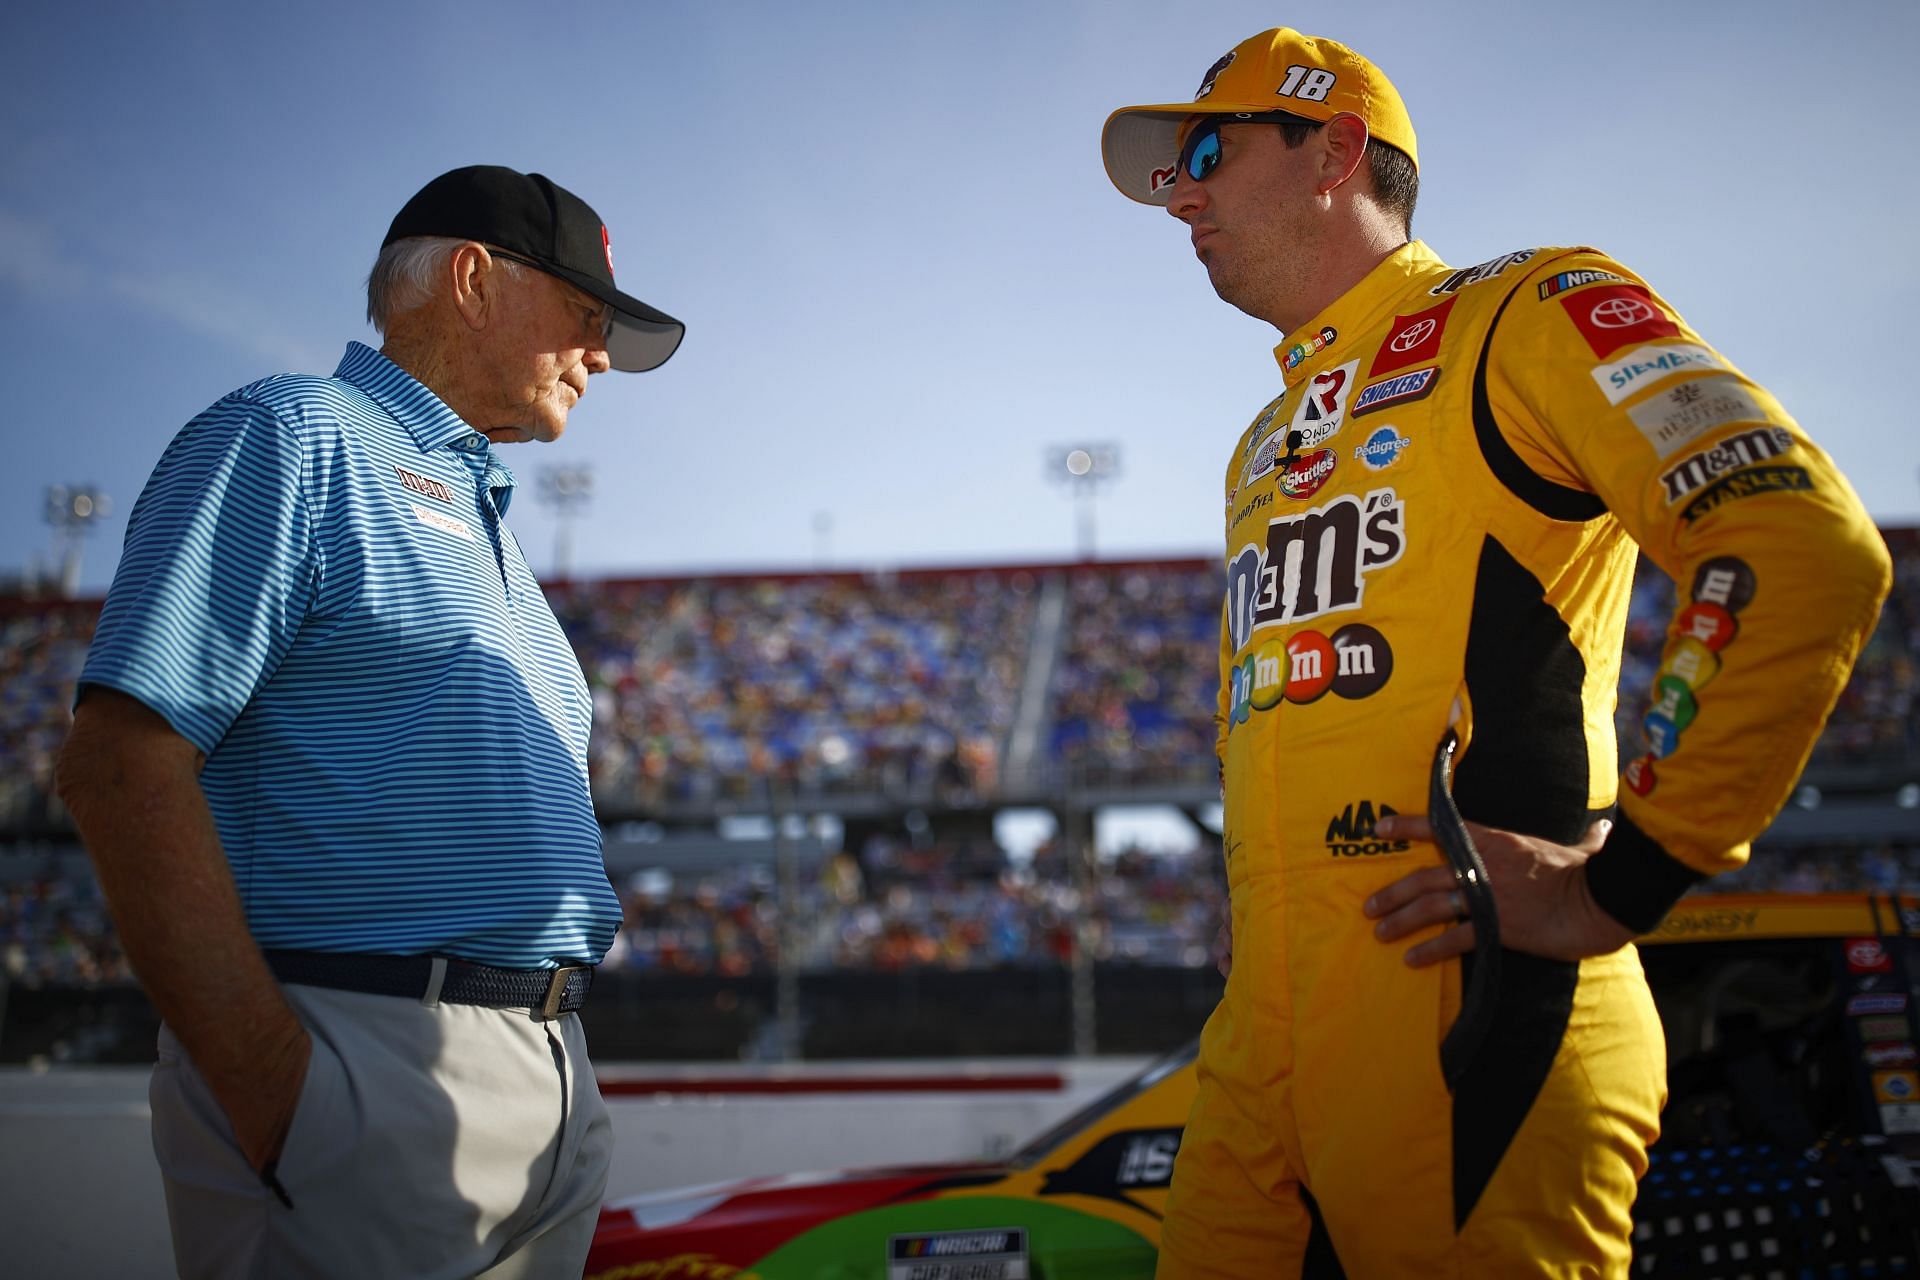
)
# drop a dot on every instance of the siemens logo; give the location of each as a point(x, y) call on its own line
point(1620, 378)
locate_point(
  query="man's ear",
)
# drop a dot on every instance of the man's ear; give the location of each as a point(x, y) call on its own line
point(474, 280)
point(1343, 143)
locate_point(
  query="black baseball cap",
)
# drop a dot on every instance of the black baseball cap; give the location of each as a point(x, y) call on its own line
point(536, 218)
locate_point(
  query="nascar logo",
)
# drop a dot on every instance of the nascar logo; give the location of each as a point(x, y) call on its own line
point(1573, 280)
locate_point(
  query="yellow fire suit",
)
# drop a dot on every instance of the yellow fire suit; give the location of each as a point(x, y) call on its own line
point(1435, 524)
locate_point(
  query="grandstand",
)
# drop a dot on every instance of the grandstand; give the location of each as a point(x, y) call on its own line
point(876, 723)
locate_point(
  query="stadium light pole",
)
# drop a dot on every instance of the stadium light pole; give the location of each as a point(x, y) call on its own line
point(566, 491)
point(74, 512)
point(1082, 468)
point(1077, 842)
point(822, 539)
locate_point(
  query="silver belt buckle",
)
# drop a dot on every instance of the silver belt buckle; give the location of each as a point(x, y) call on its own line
point(556, 992)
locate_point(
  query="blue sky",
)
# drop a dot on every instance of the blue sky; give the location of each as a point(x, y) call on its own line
point(904, 274)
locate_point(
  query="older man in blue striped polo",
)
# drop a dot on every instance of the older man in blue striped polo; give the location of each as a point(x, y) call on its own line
point(329, 756)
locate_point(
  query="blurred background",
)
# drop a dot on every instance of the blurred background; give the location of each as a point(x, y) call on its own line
point(898, 587)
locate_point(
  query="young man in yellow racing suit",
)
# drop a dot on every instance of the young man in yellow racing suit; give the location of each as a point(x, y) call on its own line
point(1430, 540)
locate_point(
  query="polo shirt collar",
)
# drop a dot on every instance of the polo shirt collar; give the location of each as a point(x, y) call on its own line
point(425, 415)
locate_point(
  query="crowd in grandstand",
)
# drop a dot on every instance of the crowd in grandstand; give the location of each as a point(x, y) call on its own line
point(707, 690)
point(41, 650)
point(948, 911)
point(54, 932)
point(940, 908)
point(1135, 687)
point(713, 689)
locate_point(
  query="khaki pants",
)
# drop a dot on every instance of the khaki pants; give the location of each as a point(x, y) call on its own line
point(429, 1141)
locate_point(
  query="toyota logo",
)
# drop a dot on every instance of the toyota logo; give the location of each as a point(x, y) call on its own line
point(1620, 313)
point(1412, 336)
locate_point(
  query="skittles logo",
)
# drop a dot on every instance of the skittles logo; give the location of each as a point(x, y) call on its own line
point(1303, 477)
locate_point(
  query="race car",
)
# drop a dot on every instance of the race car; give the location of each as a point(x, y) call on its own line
point(1792, 1139)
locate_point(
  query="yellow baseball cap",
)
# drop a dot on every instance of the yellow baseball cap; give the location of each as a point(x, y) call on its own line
point(1277, 70)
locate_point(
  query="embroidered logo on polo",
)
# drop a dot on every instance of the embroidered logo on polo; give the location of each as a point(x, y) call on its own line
point(1323, 405)
point(1400, 389)
point(1485, 271)
point(442, 521)
point(1413, 339)
point(1611, 317)
point(1722, 587)
point(422, 485)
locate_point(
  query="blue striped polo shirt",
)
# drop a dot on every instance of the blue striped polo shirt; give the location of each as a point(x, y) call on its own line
point(319, 591)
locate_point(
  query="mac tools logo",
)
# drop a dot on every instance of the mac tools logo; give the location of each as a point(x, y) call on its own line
point(1314, 563)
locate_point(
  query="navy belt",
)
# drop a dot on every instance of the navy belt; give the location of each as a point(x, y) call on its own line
point(548, 992)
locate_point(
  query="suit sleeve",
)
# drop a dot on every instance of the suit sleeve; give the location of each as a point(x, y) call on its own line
point(1601, 388)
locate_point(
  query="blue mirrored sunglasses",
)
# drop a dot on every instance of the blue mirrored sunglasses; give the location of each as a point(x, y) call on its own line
point(1200, 154)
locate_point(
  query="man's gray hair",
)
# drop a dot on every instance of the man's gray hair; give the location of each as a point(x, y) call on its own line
point(403, 276)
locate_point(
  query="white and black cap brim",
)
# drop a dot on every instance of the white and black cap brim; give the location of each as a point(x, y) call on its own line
point(1141, 146)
